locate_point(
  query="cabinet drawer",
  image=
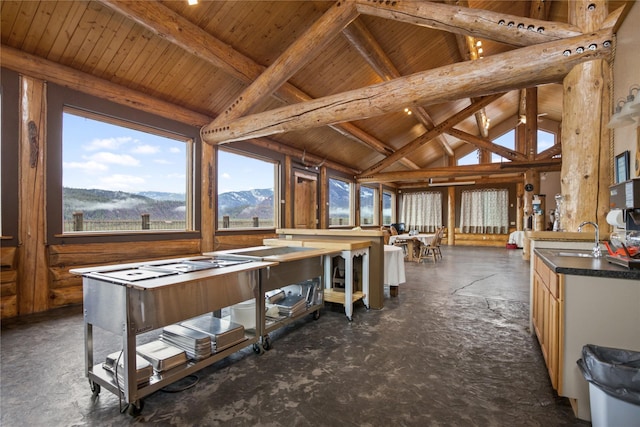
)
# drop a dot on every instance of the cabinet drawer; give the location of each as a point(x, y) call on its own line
point(542, 270)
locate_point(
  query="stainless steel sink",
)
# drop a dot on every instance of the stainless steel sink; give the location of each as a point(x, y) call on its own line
point(574, 254)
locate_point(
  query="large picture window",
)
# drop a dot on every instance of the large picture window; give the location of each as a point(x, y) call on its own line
point(368, 206)
point(340, 212)
point(119, 176)
point(246, 189)
point(388, 207)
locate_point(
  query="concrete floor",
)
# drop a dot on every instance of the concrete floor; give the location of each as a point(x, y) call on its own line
point(453, 349)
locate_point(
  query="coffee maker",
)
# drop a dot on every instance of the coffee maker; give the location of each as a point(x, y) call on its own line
point(624, 246)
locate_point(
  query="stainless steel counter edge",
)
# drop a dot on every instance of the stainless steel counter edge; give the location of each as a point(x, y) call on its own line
point(580, 266)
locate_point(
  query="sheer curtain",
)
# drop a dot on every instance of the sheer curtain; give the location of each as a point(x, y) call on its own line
point(421, 211)
point(485, 211)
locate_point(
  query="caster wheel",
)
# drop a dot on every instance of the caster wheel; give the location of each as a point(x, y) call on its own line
point(135, 408)
point(95, 388)
point(316, 315)
point(258, 349)
point(266, 343)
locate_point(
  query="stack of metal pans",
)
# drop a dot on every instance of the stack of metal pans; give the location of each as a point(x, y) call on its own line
point(197, 344)
point(162, 356)
point(223, 333)
point(115, 364)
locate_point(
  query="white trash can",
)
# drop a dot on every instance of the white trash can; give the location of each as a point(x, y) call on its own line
point(244, 314)
point(607, 411)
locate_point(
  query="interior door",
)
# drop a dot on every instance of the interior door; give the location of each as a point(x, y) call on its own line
point(305, 205)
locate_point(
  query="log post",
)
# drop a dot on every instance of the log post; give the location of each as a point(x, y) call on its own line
point(585, 146)
point(208, 189)
point(78, 221)
point(33, 278)
point(145, 221)
point(451, 216)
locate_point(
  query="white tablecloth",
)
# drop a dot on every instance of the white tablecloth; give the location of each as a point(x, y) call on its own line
point(517, 237)
point(425, 238)
point(393, 265)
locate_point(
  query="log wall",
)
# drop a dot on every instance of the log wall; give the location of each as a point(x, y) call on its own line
point(8, 283)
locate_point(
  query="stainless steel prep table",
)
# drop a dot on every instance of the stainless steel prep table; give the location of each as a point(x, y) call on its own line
point(118, 299)
point(295, 265)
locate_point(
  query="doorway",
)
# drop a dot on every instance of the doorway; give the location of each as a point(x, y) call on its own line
point(305, 204)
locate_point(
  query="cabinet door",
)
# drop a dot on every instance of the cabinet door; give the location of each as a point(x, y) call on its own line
point(538, 306)
point(553, 340)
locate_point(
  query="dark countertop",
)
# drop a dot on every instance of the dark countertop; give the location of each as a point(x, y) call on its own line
point(583, 266)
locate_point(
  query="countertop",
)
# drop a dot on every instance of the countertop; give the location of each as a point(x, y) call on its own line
point(349, 245)
point(583, 266)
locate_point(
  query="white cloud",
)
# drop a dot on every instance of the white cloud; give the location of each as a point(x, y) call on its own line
point(162, 161)
point(89, 166)
point(108, 143)
point(116, 159)
point(226, 176)
point(174, 150)
point(176, 176)
point(146, 149)
point(123, 182)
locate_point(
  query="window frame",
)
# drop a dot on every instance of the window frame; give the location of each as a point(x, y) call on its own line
point(393, 207)
point(351, 186)
point(277, 167)
point(60, 98)
point(10, 134)
point(189, 176)
point(375, 209)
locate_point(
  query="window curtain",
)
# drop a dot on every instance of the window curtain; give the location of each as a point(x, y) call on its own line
point(485, 211)
point(421, 211)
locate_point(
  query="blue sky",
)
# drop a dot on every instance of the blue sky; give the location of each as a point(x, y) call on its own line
point(109, 157)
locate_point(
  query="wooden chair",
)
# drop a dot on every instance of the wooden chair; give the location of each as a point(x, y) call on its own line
point(401, 244)
point(432, 249)
point(436, 242)
point(386, 234)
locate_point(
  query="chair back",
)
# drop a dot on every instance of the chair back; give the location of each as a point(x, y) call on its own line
point(386, 236)
point(393, 230)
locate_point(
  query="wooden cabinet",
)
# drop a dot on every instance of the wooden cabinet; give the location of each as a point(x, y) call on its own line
point(547, 304)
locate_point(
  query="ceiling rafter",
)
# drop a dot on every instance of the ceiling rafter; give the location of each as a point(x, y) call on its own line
point(509, 29)
point(486, 144)
point(361, 38)
point(440, 128)
point(193, 39)
point(546, 63)
point(469, 52)
point(461, 171)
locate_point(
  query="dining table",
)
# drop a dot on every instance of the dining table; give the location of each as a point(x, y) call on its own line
point(394, 273)
point(412, 241)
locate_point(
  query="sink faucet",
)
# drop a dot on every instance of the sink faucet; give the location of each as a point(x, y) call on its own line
point(596, 248)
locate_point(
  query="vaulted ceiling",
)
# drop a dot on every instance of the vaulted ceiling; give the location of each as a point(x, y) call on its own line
point(202, 58)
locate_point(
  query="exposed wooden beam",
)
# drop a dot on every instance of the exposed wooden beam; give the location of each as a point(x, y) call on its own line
point(554, 150)
point(528, 66)
point(297, 55)
point(361, 38)
point(509, 29)
point(440, 128)
point(188, 36)
point(486, 144)
point(467, 46)
point(462, 171)
point(41, 68)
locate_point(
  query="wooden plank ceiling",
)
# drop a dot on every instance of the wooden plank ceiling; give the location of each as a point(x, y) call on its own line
point(203, 57)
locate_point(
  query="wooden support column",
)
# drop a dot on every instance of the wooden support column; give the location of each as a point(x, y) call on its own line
point(532, 179)
point(208, 191)
point(585, 147)
point(323, 208)
point(288, 193)
point(451, 217)
point(33, 277)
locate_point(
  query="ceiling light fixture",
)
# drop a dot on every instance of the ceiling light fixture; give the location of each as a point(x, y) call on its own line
point(408, 111)
point(192, 2)
point(449, 183)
